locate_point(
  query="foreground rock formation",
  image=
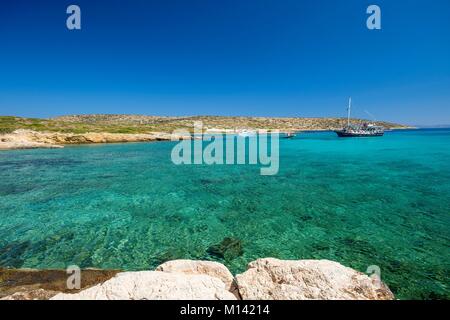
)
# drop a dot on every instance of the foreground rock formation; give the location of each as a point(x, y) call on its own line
point(273, 279)
point(210, 268)
point(265, 279)
point(154, 285)
point(29, 139)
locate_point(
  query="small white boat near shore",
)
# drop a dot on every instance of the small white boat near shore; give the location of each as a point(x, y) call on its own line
point(247, 133)
point(288, 135)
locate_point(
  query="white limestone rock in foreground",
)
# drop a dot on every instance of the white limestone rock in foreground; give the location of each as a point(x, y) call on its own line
point(154, 285)
point(273, 279)
point(209, 268)
point(265, 279)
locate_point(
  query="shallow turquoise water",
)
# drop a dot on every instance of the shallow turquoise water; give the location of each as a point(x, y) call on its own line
point(369, 201)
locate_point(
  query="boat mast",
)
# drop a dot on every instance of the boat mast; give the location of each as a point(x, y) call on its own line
point(348, 111)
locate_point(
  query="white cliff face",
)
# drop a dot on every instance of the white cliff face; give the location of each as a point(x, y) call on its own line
point(210, 268)
point(273, 279)
point(154, 285)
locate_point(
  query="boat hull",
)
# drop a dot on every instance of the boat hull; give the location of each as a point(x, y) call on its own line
point(343, 134)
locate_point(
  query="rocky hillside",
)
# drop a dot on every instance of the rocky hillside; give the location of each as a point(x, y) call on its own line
point(146, 124)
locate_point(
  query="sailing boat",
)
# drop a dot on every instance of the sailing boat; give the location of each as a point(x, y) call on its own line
point(289, 135)
point(359, 130)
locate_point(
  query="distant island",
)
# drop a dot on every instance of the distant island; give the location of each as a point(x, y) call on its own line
point(23, 133)
point(116, 123)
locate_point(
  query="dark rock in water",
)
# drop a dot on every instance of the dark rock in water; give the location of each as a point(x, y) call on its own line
point(320, 247)
point(435, 296)
point(206, 181)
point(173, 218)
point(40, 163)
point(11, 254)
point(169, 255)
point(358, 245)
point(87, 262)
point(10, 189)
point(199, 228)
point(305, 218)
point(228, 249)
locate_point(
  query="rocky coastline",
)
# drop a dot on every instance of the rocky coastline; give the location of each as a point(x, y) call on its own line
point(265, 279)
point(29, 139)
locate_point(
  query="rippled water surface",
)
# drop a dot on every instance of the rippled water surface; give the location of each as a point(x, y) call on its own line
point(361, 202)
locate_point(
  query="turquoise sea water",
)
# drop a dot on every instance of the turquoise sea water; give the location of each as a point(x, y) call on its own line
point(361, 202)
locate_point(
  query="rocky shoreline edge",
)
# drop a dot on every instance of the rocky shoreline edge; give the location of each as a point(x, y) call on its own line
point(265, 279)
point(29, 139)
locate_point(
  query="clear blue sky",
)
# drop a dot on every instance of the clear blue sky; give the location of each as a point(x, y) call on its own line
point(227, 57)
